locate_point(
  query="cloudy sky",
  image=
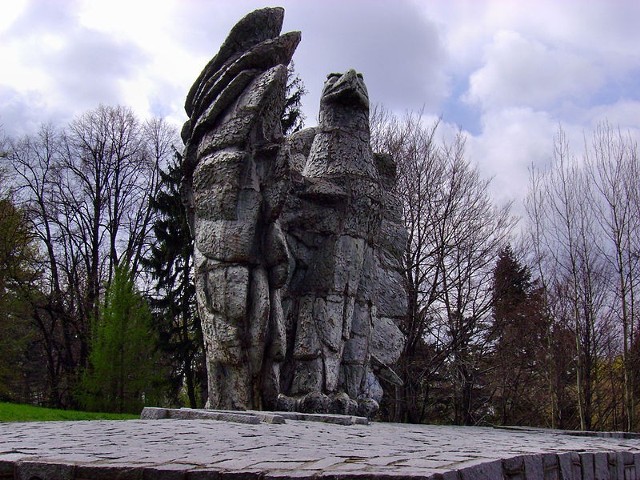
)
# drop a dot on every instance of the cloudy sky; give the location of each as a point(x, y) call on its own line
point(505, 72)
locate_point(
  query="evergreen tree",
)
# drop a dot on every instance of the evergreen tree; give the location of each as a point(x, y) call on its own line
point(175, 316)
point(122, 374)
point(292, 117)
point(519, 336)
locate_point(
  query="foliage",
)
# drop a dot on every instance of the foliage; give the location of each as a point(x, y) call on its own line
point(122, 374)
point(173, 302)
point(13, 412)
point(18, 275)
point(520, 337)
point(85, 188)
point(292, 118)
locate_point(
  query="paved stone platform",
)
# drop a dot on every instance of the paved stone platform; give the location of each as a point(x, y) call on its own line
point(215, 450)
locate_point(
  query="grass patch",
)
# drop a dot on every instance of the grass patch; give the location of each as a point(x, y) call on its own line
point(14, 412)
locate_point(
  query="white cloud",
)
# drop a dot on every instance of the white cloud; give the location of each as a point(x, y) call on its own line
point(624, 114)
point(511, 141)
point(524, 67)
point(526, 72)
point(398, 50)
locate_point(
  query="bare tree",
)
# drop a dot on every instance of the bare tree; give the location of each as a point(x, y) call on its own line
point(612, 167)
point(455, 233)
point(87, 189)
point(34, 160)
point(567, 238)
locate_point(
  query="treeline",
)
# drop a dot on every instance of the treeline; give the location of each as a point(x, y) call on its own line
point(538, 326)
point(92, 265)
point(583, 240)
point(530, 326)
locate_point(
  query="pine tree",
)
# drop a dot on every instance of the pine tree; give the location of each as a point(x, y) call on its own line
point(292, 118)
point(519, 336)
point(175, 316)
point(122, 374)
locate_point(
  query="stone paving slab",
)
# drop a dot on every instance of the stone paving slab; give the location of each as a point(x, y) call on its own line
point(218, 450)
point(247, 416)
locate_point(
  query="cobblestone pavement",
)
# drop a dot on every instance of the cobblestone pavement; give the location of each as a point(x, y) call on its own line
point(208, 449)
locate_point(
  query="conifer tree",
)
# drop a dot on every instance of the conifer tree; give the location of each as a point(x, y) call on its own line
point(293, 118)
point(175, 316)
point(122, 374)
point(519, 344)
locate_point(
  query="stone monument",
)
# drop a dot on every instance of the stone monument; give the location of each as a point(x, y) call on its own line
point(298, 240)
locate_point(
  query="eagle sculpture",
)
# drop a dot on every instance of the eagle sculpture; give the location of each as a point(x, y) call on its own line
point(298, 239)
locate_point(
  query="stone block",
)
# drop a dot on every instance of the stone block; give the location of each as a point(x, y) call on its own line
point(624, 466)
point(252, 29)
point(588, 470)
point(616, 465)
point(362, 319)
point(6, 469)
point(40, 470)
point(307, 343)
point(533, 466)
point(551, 467)
point(203, 474)
point(482, 471)
point(107, 472)
point(393, 238)
point(308, 376)
point(372, 387)
point(153, 413)
point(327, 316)
point(387, 341)
point(315, 402)
point(352, 375)
point(342, 404)
point(230, 241)
point(601, 466)
point(277, 327)
point(514, 468)
point(356, 350)
point(565, 465)
point(391, 295)
point(368, 285)
point(258, 317)
point(331, 361)
point(349, 260)
point(165, 472)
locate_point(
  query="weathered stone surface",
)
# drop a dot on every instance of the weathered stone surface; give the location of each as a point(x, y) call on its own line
point(315, 402)
point(298, 240)
point(308, 376)
point(391, 294)
point(210, 449)
point(367, 407)
point(343, 404)
point(386, 341)
point(256, 27)
point(277, 51)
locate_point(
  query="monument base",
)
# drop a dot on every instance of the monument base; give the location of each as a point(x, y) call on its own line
point(252, 417)
point(303, 450)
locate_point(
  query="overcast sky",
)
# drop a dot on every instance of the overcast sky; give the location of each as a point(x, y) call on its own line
point(507, 73)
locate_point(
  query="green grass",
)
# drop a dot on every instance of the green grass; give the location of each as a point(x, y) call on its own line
point(13, 412)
